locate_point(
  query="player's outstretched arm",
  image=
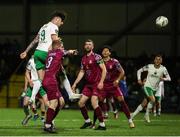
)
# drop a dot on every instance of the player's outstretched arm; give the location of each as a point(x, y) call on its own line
point(31, 45)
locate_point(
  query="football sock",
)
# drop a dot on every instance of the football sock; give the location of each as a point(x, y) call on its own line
point(84, 112)
point(26, 110)
point(125, 109)
point(99, 114)
point(50, 115)
point(149, 107)
point(94, 118)
point(36, 87)
point(138, 109)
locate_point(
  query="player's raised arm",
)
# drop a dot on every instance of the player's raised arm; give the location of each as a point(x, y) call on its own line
point(31, 45)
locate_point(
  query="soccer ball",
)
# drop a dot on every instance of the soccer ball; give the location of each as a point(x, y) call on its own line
point(161, 21)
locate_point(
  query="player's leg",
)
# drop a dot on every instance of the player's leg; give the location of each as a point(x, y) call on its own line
point(43, 109)
point(84, 111)
point(125, 109)
point(36, 87)
point(40, 61)
point(68, 88)
point(25, 107)
point(114, 107)
point(150, 95)
point(50, 115)
point(139, 108)
point(158, 105)
point(98, 112)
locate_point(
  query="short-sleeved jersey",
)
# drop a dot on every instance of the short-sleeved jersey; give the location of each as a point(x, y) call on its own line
point(153, 76)
point(53, 64)
point(45, 33)
point(112, 66)
point(90, 64)
point(32, 68)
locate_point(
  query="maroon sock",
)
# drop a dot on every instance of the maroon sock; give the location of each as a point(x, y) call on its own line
point(99, 115)
point(56, 111)
point(84, 112)
point(125, 109)
point(50, 115)
point(103, 106)
point(113, 106)
point(34, 110)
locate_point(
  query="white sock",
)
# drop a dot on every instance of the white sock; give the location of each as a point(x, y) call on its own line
point(67, 86)
point(88, 120)
point(36, 87)
point(138, 109)
point(149, 107)
point(102, 124)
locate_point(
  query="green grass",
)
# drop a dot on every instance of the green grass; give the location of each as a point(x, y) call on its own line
point(69, 121)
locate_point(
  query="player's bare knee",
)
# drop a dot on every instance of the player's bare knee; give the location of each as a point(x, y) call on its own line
point(53, 104)
point(81, 104)
point(61, 102)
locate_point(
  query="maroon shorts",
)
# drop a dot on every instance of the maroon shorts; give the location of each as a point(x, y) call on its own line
point(113, 92)
point(53, 92)
point(90, 90)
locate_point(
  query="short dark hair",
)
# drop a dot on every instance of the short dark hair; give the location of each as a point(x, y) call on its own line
point(89, 40)
point(108, 47)
point(60, 14)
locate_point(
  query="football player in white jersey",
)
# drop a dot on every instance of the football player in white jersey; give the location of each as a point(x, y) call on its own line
point(44, 38)
point(47, 34)
point(156, 73)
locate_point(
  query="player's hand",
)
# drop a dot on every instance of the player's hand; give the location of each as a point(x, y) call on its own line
point(23, 55)
point(140, 82)
point(100, 85)
point(116, 83)
point(73, 52)
point(162, 78)
point(73, 87)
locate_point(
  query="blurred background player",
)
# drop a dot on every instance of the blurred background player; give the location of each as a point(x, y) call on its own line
point(31, 77)
point(156, 73)
point(94, 70)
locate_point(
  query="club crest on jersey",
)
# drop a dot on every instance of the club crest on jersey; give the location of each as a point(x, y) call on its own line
point(110, 66)
point(90, 61)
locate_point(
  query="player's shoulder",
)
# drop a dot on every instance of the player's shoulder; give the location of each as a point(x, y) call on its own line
point(163, 67)
point(114, 60)
point(97, 56)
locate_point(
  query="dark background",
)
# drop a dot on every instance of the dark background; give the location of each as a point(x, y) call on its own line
point(126, 25)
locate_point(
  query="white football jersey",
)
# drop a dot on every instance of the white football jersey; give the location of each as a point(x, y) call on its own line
point(45, 33)
point(154, 75)
point(31, 67)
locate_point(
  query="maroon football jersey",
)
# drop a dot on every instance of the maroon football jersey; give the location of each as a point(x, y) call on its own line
point(90, 64)
point(112, 67)
point(53, 64)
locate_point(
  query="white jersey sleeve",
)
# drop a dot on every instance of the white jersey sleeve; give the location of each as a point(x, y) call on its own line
point(45, 34)
point(145, 68)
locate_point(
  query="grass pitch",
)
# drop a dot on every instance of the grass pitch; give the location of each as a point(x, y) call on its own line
point(69, 121)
